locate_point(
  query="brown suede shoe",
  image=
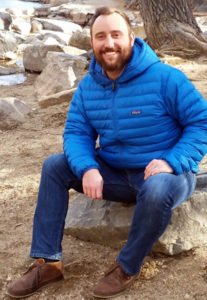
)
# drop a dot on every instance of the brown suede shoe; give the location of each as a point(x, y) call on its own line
point(114, 283)
point(38, 275)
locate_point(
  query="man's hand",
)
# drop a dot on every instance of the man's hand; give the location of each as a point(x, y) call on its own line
point(157, 166)
point(93, 184)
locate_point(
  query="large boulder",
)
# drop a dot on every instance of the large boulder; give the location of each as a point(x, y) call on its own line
point(108, 222)
point(34, 57)
point(81, 15)
point(5, 21)
point(99, 221)
point(188, 226)
point(9, 42)
point(12, 113)
point(78, 62)
point(55, 77)
point(81, 39)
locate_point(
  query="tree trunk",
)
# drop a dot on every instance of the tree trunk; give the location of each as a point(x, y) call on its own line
point(171, 27)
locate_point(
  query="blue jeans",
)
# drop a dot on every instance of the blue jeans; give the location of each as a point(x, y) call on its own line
point(155, 198)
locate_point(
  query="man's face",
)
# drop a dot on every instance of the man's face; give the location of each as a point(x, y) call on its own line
point(112, 43)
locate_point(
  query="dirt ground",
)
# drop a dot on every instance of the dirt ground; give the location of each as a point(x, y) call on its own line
point(22, 152)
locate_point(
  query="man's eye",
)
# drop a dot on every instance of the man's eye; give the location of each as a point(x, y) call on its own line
point(100, 37)
point(116, 35)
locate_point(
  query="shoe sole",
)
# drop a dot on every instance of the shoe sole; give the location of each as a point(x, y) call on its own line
point(118, 294)
point(109, 296)
point(28, 295)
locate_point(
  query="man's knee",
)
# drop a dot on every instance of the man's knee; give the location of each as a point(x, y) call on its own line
point(54, 162)
point(156, 192)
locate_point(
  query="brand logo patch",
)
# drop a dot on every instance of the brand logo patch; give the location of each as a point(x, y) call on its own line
point(136, 112)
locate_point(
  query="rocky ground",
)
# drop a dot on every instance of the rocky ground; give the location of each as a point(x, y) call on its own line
point(22, 152)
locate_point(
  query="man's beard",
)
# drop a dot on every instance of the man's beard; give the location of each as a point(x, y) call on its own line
point(124, 56)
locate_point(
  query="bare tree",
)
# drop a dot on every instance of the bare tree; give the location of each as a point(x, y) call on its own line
point(171, 27)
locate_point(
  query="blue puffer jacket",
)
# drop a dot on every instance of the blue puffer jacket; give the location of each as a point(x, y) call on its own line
point(152, 111)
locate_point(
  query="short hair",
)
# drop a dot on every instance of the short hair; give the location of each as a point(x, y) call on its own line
point(104, 11)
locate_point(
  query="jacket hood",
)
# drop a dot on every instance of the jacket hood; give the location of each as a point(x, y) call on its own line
point(142, 58)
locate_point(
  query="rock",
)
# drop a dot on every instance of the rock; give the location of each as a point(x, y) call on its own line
point(58, 2)
point(8, 42)
point(59, 25)
point(10, 56)
point(79, 63)
point(44, 36)
point(101, 221)
point(17, 12)
point(42, 11)
point(34, 57)
point(201, 180)
point(31, 40)
point(88, 55)
point(10, 70)
point(74, 51)
point(82, 15)
point(21, 26)
point(202, 22)
point(36, 26)
point(6, 71)
point(188, 226)
point(5, 21)
point(12, 112)
point(55, 77)
point(64, 96)
point(79, 14)
point(108, 222)
point(81, 39)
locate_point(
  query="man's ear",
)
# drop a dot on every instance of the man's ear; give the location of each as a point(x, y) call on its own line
point(91, 42)
point(132, 38)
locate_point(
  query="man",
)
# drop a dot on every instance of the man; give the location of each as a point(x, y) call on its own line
point(152, 126)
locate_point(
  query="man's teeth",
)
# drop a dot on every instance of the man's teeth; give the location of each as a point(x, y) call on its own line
point(110, 53)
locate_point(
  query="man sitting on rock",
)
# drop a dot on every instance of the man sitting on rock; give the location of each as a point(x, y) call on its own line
point(152, 129)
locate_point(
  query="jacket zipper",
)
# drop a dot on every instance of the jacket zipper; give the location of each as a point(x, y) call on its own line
point(114, 110)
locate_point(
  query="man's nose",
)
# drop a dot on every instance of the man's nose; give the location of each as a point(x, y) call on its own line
point(109, 42)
